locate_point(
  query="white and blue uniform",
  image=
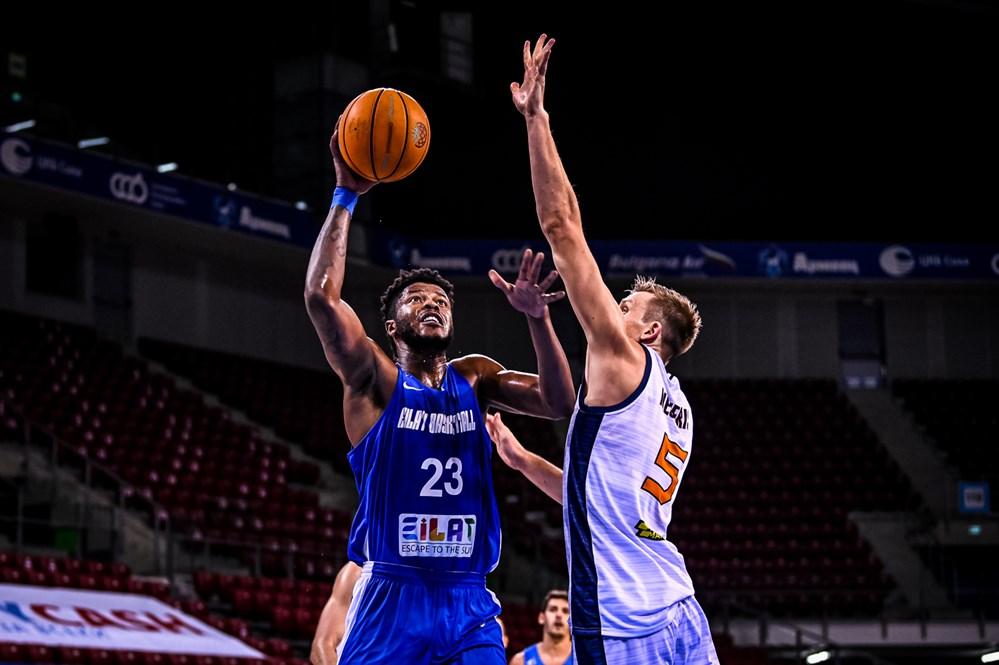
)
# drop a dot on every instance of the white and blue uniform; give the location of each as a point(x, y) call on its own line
point(623, 465)
point(426, 532)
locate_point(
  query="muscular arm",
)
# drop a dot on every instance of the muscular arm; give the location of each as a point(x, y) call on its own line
point(364, 369)
point(611, 356)
point(348, 350)
point(549, 393)
point(558, 209)
point(330, 629)
point(543, 474)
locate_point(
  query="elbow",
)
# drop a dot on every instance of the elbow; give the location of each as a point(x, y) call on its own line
point(566, 408)
point(315, 299)
point(559, 226)
point(561, 408)
point(553, 224)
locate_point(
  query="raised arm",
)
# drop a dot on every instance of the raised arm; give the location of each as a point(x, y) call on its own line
point(549, 393)
point(558, 209)
point(349, 351)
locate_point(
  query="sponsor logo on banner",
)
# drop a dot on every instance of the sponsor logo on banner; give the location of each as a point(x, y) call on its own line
point(897, 261)
point(418, 260)
point(634, 263)
point(131, 188)
point(103, 620)
point(507, 260)
point(225, 210)
point(803, 264)
point(716, 258)
point(250, 221)
point(436, 535)
point(15, 155)
point(947, 261)
point(772, 261)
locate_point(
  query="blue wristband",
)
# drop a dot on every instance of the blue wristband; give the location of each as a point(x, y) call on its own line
point(344, 198)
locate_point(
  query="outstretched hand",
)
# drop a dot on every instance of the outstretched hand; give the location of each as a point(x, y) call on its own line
point(529, 96)
point(526, 294)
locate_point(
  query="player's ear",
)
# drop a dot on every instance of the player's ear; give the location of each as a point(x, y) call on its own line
point(541, 618)
point(390, 327)
point(652, 332)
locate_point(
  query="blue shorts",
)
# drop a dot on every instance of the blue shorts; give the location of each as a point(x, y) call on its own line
point(684, 640)
point(401, 614)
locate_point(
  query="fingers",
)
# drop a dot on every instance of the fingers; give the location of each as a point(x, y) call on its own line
point(549, 280)
point(499, 282)
point(525, 266)
point(335, 146)
point(539, 46)
point(527, 55)
point(543, 65)
point(493, 426)
point(548, 298)
point(536, 267)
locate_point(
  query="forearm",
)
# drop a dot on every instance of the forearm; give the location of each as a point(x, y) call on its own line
point(553, 194)
point(329, 256)
point(323, 652)
point(329, 631)
point(554, 375)
point(543, 474)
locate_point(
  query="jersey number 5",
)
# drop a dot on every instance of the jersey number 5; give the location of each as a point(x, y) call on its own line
point(664, 494)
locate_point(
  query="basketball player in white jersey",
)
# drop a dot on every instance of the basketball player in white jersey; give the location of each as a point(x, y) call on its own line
point(629, 442)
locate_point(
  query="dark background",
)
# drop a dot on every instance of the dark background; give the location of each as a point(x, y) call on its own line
point(815, 120)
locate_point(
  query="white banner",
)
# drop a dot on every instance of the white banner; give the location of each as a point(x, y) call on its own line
point(103, 620)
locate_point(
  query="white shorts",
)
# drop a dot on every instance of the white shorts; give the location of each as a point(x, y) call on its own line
point(684, 640)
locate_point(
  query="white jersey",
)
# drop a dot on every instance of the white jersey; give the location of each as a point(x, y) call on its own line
point(623, 465)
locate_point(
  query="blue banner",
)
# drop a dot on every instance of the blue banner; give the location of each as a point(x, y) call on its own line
point(63, 167)
point(897, 261)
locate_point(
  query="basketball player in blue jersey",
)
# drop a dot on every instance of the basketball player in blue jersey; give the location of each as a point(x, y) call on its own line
point(427, 527)
point(629, 442)
point(555, 647)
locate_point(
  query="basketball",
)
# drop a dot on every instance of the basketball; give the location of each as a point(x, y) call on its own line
point(383, 135)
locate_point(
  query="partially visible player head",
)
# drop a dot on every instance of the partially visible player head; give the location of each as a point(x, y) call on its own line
point(659, 316)
point(554, 614)
point(416, 311)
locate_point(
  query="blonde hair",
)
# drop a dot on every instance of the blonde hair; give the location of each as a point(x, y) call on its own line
point(678, 315)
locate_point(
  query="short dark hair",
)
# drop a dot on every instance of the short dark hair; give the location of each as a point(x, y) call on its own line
point(554, 594)
point(406, 277)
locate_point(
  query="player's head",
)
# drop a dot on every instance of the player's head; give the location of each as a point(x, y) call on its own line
point(657, 315)
point(554, 614)
point(416, 310)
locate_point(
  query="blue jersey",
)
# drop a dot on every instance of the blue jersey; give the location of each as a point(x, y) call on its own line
point(532, 657)
point(424, 475)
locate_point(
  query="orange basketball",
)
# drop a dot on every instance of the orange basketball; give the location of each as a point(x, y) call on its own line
point(383, 135)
